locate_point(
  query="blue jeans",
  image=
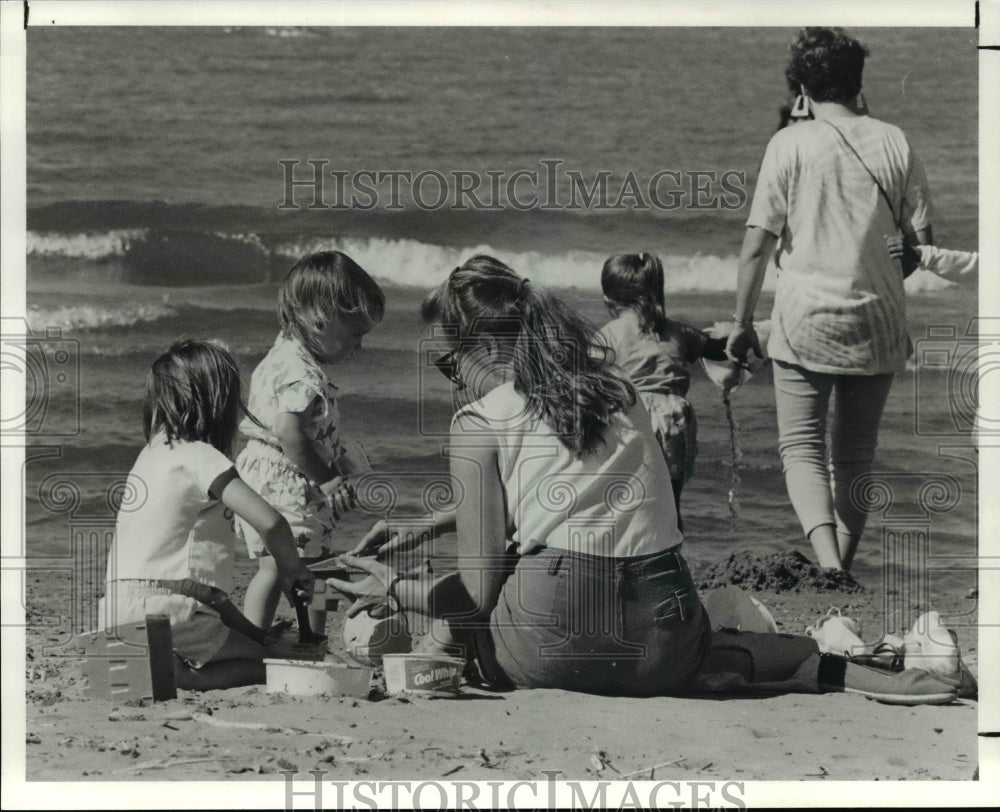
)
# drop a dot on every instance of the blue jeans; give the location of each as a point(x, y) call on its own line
point(619, 626)
point(819, 495)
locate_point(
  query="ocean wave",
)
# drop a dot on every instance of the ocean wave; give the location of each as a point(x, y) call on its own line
point(415, 264)
point(211, 258)
point(176, 257)
point(95, 246)
point(291, 31)
point(196, 245)
point(94, 316)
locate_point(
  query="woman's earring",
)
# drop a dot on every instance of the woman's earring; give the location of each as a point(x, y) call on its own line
point(801, 107)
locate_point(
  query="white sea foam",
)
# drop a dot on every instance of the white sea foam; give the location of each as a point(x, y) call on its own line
point(89, 246)
point(94, 316)
point(418, 264)
point(408, 262)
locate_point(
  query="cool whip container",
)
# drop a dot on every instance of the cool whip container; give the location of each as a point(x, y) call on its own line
point(422, 673)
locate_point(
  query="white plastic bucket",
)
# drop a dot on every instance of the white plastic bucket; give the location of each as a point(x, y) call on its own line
point(307, 678)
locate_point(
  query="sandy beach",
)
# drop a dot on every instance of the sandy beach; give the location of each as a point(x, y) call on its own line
point(157, 197)
point(482, 736)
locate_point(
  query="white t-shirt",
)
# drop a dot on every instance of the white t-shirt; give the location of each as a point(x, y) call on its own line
point(174, 529)
point(839, 305)
point(616, 501)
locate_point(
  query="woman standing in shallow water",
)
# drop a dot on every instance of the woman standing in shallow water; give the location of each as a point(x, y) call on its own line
point(831, 189)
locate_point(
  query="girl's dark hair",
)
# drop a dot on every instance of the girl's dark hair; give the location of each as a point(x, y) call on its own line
point(635, 282)
point(828, 63)
point(193, 394)
point(563, 372)
point(322, 285)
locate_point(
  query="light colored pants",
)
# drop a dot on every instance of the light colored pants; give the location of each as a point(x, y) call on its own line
point(821, 491)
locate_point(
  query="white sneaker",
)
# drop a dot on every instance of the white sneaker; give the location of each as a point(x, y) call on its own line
point(836, 634)
point(930, 645)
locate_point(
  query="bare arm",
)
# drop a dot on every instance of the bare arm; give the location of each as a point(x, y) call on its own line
point(298, 448)
point(438, 597)
point(758, 245)
point(922, 236)
point(481, 515)
point(386, 539)
point(272, 527)
point(715, 349)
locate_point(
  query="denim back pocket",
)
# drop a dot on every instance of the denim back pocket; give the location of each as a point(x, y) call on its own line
point(675, 597)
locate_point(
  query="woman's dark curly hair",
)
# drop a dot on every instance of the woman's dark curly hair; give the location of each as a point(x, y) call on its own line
point(828, 63)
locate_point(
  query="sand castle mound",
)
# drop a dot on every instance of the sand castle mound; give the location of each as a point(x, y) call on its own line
point(780, 572)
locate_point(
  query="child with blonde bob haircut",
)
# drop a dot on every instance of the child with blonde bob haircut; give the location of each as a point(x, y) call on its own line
point(326, 304)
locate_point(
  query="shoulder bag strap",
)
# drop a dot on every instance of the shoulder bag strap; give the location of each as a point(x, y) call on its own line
point(885, 196)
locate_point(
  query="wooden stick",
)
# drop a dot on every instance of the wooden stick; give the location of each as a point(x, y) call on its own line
point(266, 728)
point(655, 767)
point(263, 726)
point(163, 763)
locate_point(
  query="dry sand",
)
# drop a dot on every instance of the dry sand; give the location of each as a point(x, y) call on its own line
point(488, 737)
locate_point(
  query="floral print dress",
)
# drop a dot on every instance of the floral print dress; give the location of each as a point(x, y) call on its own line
point(289, 379)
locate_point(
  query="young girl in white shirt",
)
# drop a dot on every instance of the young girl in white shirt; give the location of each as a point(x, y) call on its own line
point(175, 531)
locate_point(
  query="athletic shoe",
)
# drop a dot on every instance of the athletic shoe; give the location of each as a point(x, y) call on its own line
point(930, 645)
point(934, 647)
point(836, 634)
point(912, 687)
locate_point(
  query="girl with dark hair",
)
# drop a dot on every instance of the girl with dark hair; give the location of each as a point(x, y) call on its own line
point(326, 304)
point(831, 189)
point(569, 567)
point(655, 352)
point(177, 527)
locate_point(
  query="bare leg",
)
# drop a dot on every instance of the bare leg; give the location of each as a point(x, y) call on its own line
point(847, 543)
point(824, 543)
point(263, 593)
